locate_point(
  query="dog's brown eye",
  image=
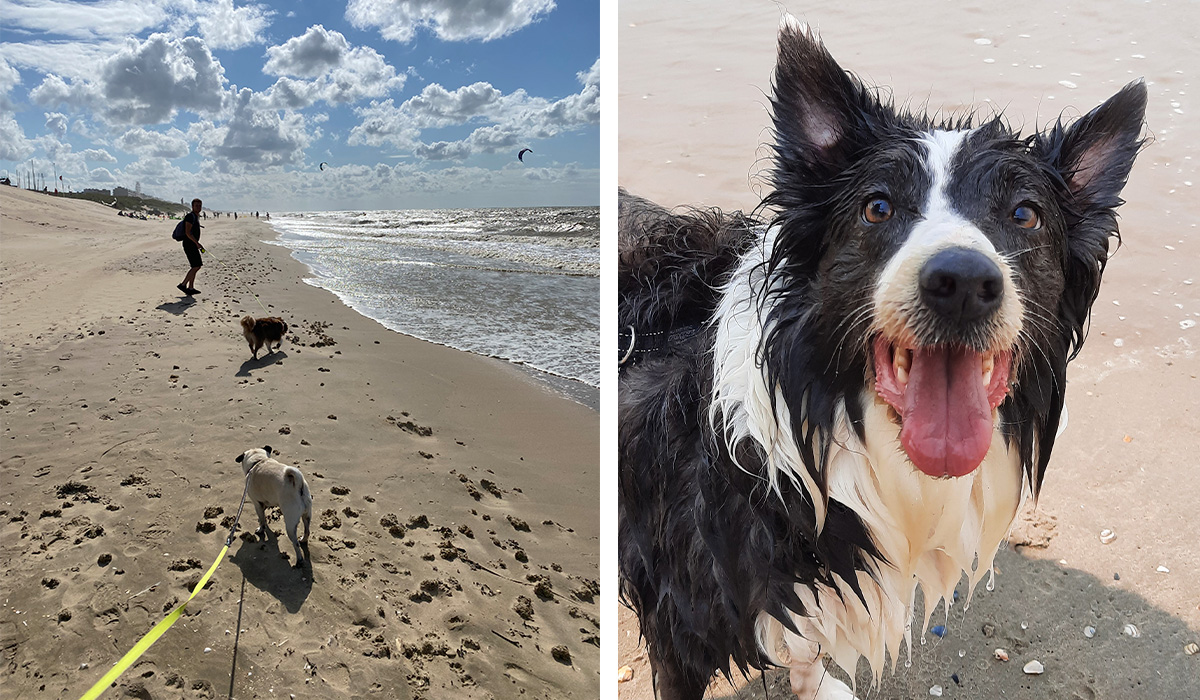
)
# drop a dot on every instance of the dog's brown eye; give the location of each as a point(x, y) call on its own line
point(877, 211)
point(1026, 216)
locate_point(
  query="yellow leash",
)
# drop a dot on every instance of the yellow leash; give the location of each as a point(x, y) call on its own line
point(151, 636)
point(159, 629)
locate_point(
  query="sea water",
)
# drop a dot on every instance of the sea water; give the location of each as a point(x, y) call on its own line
point(522, 285)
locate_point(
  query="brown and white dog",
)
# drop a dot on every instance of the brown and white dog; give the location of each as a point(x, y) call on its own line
point(272, 483)
point(264, 331)
point(823, 412)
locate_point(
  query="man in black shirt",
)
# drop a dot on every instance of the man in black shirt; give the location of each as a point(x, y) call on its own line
point(192, 247)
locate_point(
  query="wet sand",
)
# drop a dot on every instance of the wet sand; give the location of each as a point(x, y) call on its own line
point(693, 120)
point(454, 545)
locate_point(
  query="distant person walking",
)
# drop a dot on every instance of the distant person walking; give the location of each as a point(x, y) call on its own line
point(192, 247)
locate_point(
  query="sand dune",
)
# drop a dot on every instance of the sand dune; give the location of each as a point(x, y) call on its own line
point(454, 543)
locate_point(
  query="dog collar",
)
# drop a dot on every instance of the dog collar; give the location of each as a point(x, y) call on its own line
point(632, 346)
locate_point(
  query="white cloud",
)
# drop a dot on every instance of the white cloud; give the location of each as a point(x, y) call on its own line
point(9, 78)
point(147, 83)
point(341, 73)
point(309, 55)
point(98, 155)
point(78, 20)
point(516, 118)
point(224, 26)
point(56, 124)
point(154, 144)
point(144, 83)
point(70, 59)
point(101, 176)
point(450, 20)
point(254, 136)
point(437, 107)
point(13, 144)
point(55, 91)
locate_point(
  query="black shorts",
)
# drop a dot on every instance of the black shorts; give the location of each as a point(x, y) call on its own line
point(193, 255)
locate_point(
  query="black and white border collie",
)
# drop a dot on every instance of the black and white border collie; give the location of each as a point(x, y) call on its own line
point(822, 414)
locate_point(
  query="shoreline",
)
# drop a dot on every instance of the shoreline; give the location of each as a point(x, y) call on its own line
point(455, 524)
point(564, 386)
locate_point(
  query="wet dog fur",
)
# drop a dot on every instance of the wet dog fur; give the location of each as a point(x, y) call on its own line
point(773, 508)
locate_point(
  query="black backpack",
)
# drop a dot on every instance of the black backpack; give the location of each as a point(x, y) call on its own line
point(177, 234)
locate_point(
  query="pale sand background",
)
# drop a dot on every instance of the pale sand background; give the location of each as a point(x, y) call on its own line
point(124, 406)
point(692, 103)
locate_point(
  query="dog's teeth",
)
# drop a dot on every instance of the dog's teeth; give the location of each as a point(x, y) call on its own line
point(989, 364)
point(901, 362)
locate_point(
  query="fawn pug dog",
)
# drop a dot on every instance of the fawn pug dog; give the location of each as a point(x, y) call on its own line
point(272, 483)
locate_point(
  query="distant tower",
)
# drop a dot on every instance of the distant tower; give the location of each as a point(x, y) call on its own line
point(138, 188)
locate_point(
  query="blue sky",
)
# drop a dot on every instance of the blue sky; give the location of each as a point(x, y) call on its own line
point(411, 103)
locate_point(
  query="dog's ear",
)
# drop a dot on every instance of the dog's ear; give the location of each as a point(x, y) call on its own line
point(240, 457)
point(268, 449)
point(823, 115)
point(1093, 157)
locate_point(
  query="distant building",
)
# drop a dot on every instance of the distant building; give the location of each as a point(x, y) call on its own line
point(126, 192)
point(106, 193)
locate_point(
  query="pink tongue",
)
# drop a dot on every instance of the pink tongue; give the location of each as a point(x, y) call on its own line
point(947, 416)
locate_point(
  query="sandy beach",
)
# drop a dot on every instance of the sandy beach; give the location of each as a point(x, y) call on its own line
point(694, 80)
point(454, 546)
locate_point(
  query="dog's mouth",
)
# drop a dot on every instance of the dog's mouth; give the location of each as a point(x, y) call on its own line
point(945, 397)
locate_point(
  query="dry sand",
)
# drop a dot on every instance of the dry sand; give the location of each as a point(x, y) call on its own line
point(692, 102)
point(455, 533)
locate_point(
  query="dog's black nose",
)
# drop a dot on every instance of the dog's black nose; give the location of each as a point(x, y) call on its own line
point(961, 284)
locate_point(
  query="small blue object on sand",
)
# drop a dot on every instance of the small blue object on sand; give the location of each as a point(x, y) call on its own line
point(939, 630)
